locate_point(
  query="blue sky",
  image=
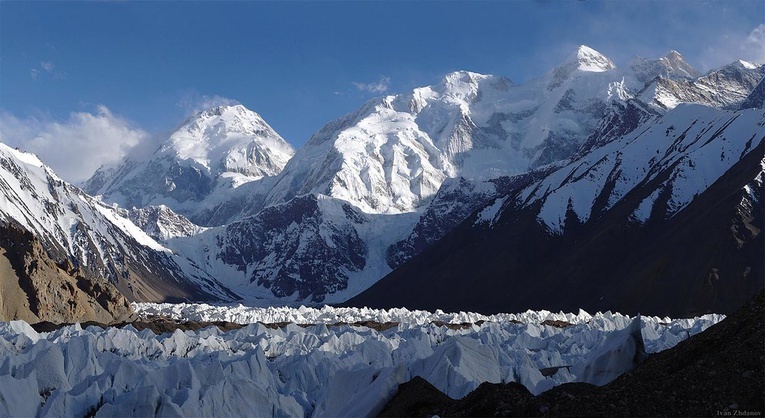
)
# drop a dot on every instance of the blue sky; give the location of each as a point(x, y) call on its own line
point(105, 76)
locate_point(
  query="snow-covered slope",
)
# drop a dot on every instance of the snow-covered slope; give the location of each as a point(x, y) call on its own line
point(680, 155)
point(392, 154)
point(671, 65)
point(726, 87)
point(211, 153)
point(624, 225)
point(325, 370)
point(93, 237)
point(312, 248)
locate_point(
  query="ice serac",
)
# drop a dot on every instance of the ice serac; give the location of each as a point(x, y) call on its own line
point(211, 153)
point(291, 370)
point(92, 241)
point(621, 352)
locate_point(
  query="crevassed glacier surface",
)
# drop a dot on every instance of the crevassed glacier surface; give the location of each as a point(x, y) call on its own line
point(319, 370)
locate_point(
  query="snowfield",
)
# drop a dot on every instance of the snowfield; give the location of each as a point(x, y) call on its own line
point(324, 369)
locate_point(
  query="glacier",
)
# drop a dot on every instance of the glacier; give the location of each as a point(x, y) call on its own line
point(318, 363)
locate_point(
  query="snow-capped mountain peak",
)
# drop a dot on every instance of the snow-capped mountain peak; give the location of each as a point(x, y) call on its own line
point(229, 138)
point(461, 84)
point(590, 60)
point(675, 63)
point(745, 64)
point(584, 62)
point(216, 149)
point(672, 65)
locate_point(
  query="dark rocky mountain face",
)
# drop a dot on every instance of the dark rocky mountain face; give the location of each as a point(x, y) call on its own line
point(756, 99)
point(705, 258)
point(456, 201)
point(295, 248)
point(161, 223)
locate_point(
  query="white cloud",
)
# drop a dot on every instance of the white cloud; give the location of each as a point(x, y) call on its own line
point(194, 102)
point(46, 67)
point(748, 46)
point(76, 147)
point(379, 86)
point(754, 45)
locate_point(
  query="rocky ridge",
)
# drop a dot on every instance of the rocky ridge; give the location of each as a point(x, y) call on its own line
point(78, 230)
point(36, 288)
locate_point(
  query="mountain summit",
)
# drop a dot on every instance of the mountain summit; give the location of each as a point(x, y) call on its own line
point(671, 65)
point(217, 149)
point(229, 139)
point(588, 59)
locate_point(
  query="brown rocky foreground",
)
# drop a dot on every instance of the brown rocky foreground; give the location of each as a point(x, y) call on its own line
point(34, 287)
point(718, 372)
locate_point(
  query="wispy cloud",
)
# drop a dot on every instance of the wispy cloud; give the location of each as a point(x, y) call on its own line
point(377, 87)
point(748, 46)
point(194, 102)
point(75, 147)
point(48, 68)
point(754, 45)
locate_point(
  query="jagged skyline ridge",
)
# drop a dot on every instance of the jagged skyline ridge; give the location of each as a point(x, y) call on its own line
point(298, 74)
